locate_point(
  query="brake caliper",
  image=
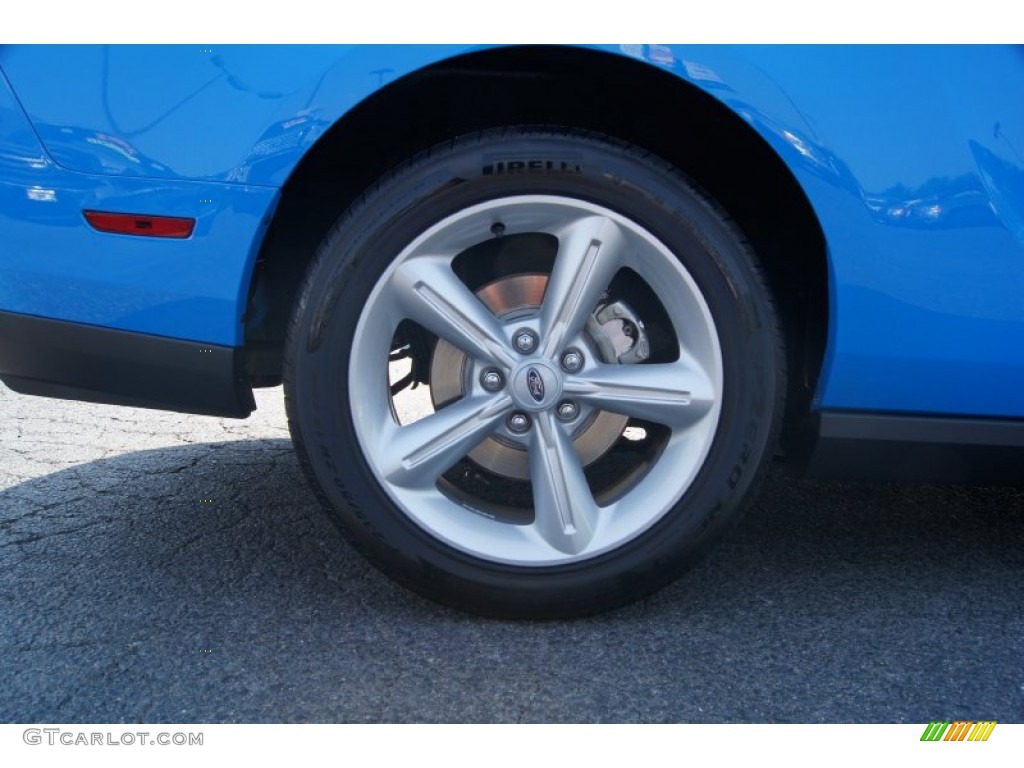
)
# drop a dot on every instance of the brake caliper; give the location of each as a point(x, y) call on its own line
point(619, 334)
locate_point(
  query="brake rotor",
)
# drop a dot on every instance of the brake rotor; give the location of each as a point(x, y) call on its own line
point(509, 297)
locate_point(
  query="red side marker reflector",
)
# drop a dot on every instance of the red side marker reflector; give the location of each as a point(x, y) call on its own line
point(137, 224)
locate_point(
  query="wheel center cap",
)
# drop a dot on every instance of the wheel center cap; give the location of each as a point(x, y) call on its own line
point(536, 385)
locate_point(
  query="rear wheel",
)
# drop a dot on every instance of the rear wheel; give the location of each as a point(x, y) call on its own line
point(600, 366)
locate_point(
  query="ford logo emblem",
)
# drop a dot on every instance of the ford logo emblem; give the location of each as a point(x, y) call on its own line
point(535, 384)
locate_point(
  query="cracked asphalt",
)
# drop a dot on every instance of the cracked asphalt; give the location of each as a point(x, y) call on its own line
point(157, 567)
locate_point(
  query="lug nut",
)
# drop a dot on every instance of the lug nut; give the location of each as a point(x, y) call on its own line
point(525, 341)
point(572, 361)
point(518, 423)
point(492, 380)
point(567, 410)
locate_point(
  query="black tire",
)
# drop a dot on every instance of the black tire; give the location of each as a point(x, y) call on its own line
point(496, 165)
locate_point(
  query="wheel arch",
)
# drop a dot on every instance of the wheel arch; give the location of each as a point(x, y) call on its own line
point(620, 96)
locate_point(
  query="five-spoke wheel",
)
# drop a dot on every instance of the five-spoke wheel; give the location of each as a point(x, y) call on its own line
point(554, 382)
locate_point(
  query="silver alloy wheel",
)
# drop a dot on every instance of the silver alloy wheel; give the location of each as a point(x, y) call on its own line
point(568, 524)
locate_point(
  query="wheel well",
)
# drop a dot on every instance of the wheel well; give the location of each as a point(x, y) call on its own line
point(552, 85)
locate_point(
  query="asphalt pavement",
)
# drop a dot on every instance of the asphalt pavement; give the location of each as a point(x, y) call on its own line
point(158, 567)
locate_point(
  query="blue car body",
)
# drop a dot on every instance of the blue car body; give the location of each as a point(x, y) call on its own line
point(910, 158)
